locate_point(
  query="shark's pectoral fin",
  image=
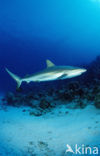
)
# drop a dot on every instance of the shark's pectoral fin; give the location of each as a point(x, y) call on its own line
point(64, 76)
point(49, 64)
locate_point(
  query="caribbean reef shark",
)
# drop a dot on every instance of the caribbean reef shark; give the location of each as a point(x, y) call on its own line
point(52, 72)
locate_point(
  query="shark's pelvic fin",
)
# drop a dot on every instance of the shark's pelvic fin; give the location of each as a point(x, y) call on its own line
point(49, 64)
point(62, 77)
point(15, 77)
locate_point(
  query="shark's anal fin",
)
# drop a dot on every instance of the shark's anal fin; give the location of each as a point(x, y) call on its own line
point(62, 77)
point(49, 64)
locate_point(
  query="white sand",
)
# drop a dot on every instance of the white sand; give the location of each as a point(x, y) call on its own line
point(22, 134)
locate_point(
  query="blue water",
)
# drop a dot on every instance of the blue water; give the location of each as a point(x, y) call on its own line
point(66, 32)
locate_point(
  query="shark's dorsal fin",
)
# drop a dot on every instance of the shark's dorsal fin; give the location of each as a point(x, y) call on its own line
point(49, 64)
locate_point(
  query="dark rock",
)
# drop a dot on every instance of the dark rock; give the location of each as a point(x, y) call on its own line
point(35, 113)
point(97, 101)
point(24, 110)
point(82, 103)
point(44, 104)
point(73, 86)
point(10, 98)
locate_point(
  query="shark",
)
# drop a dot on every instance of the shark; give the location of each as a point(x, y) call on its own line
point(52, 72)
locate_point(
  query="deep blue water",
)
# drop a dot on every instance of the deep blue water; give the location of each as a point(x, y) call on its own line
point(64, 31)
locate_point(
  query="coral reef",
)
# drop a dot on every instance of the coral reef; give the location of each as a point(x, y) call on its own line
point(97, 101)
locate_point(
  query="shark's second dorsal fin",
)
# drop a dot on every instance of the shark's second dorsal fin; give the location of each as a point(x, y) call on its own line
point(49, 64)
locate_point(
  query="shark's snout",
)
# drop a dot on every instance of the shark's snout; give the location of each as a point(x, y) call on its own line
point(83, 70)
point(76, 72)
point(80, 71)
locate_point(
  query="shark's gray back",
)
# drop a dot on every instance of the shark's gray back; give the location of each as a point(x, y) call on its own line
point(54, 69)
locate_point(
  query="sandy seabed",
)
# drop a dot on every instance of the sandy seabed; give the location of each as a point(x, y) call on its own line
point(22, 134)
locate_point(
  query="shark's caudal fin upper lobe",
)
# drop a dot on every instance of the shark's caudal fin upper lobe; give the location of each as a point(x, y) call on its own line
point(15, 77)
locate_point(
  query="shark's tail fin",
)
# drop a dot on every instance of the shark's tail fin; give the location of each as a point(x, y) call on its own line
point(15, 77)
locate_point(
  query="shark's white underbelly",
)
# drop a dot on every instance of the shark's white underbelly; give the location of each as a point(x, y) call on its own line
point(43, 77)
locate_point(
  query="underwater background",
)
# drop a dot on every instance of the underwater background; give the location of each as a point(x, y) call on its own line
point(67, 32)
point(40, 119)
